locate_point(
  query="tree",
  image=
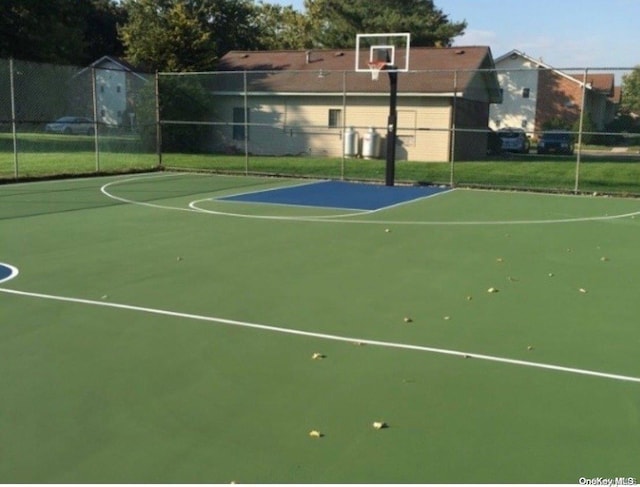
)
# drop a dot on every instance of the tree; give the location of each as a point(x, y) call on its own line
point(230, 23)
point(166, 35)
point(281, 27)
point(33, 30)
point(185, 35)
point(100, 33)
point(184, 98)
point(336, 22)
point(59, 31)
point(631, 91)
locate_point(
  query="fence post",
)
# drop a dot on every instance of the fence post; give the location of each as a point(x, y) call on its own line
point(13, 119)
point(344, 122)
point(579, 151)
point(452, 154)
point(245, 87)
point(94, 97)
point(158, 123)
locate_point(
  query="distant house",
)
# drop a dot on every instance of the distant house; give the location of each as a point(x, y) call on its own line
point(115, 83)
point(535, 94)
point(295, 102)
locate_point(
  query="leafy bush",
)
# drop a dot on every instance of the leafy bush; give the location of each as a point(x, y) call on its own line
point(589, 135)
point(184, 104)
point(556, 123)
point(185, 99)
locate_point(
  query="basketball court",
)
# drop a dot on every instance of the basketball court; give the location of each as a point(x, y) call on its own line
point(163, 328)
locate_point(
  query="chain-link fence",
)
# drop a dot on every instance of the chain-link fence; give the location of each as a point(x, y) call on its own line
point(537, 129)
point(66, 120)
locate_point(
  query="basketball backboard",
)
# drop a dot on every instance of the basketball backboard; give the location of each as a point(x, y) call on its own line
point(392, 49)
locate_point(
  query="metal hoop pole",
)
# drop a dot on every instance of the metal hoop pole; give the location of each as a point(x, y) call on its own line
point(392, 123)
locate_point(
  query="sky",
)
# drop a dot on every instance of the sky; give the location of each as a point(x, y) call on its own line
point(563, 33)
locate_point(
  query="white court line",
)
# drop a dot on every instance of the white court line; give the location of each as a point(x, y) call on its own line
point(327, 218)
point(13, 272)
point(193, 207)
point(103, 190)
point(352, 212)
point(224, 199)
point(325, 336)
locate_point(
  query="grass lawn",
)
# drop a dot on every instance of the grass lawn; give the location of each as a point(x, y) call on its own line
point(45, 155)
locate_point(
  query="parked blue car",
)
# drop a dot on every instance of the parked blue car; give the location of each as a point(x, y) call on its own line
point(557, 142)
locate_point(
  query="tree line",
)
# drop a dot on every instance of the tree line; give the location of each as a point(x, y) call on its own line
point(191, 35)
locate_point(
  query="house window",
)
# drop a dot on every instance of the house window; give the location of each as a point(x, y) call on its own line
point(101, 88)
point(525, 92)
point(240, 119)
point(335, 118)
point(118, 89)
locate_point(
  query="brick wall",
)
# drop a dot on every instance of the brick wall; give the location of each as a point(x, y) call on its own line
point(558, 97)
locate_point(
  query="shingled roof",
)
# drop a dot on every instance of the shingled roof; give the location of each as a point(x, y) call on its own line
point(121, 63)
point(434, 71)
point(600, 82)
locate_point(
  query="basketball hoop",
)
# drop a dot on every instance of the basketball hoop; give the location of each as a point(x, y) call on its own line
point(376, 67)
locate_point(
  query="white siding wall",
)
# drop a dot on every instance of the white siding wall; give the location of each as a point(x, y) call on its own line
point(111, 93)
point(514, 75)
point(300, 124)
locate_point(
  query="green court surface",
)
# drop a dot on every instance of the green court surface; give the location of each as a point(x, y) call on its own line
point(157, 334)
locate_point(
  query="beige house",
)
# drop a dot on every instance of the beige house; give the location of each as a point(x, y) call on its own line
point(297, 102)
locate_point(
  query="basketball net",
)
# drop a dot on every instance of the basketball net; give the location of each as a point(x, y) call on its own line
point(376, 67)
